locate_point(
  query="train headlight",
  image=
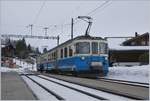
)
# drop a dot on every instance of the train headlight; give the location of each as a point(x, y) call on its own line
point(106, 58)
point(82, 58)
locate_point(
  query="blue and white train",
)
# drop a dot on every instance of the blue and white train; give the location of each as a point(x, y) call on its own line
point(84, 55)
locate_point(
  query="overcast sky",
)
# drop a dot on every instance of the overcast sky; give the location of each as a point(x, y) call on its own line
point(115, 18)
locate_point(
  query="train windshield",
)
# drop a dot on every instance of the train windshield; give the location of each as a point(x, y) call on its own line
point(94, 47)
point(83, 48)
point(103, 48)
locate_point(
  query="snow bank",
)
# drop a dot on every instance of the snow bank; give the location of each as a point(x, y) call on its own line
point(135, 73)
point(130, 48)
point(24, 64)
point(23, 67)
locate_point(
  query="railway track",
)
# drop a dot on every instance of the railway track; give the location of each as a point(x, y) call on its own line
point(51, 85)
point(125, 82)
point(130, 90)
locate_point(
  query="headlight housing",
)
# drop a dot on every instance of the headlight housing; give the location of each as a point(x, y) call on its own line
point(82, 58)
point(106, 58)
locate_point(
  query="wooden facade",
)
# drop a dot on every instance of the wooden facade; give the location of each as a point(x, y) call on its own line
point(131, 55)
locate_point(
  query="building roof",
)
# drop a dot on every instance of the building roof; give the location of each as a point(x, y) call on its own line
point(135, 38)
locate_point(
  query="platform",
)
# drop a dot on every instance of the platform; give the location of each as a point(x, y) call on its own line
point(14, 88)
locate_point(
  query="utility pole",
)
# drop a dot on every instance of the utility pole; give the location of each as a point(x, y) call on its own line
point(31, 27)
point(72, 28)
point(45, 28)
point(58, 40)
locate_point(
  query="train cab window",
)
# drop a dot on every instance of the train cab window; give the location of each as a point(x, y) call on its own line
point(103, 48)
point(61, 53)
point(94, 48)
point(65, 52)
point(82, 48)
point(70, 51)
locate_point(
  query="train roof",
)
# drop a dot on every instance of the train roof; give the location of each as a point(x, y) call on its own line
point(87, 37)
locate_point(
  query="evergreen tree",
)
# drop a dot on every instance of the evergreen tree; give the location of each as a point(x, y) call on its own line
point(44, 50)
point(29, 48)
point(21, 49)
point(18, 48)
point(37, 51)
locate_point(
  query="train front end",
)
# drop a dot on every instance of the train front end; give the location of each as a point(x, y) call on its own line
point(91, 57)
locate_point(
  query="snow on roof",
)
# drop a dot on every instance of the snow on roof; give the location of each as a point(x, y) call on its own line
point(130, 48)
point(115, 44)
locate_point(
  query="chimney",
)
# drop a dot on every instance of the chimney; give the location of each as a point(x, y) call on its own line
point(136, 34)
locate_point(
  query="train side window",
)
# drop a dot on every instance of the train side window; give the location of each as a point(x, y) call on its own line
point(70, 51)
point(61, 53)
point(52, 56)
point(94, 48)
point(65, 52)
point(55, 54)
point(49, 57)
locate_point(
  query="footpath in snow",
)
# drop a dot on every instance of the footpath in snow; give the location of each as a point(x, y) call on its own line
point(134, 73)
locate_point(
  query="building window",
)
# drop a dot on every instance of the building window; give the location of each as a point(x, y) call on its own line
point(94, 48)
point(65, 52)
point(132, 43)
point(143, 43)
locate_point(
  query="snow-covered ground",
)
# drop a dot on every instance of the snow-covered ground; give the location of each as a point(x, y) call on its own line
point(134, 73)
point(38, 91)
point(24, 64)
point(23, 67)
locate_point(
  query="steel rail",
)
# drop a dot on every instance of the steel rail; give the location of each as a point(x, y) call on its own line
point(132, 83)
point(101, 89)
point(51, 92)
point(81, 91)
